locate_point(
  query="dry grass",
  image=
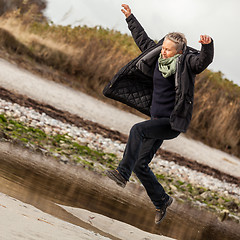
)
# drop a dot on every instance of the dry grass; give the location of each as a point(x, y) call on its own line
point(216, 118)
point(90, 55)
point(87, 58)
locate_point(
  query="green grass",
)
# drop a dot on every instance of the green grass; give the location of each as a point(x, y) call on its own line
point(60, 144)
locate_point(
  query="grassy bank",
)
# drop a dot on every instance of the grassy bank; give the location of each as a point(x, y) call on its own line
point(87, 58)
point(60, 146)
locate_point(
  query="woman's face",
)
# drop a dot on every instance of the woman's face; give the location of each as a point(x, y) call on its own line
point(169, 49)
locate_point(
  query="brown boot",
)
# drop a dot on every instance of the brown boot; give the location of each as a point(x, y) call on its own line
point(161, 213)
point(116, 177)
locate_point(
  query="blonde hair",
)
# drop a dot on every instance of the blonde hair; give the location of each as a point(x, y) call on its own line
point(178, 38)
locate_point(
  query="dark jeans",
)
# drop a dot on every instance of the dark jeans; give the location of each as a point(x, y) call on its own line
point(144, 140)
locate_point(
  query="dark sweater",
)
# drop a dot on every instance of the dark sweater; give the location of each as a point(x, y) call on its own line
point(163, 99)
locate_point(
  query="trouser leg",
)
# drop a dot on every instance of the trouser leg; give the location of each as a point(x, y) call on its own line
point(154, 189)
point(144, 140)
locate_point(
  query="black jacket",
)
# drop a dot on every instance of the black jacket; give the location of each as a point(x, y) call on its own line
point(133, 84)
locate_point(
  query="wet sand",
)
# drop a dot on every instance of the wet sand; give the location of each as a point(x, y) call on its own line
point(23, 221)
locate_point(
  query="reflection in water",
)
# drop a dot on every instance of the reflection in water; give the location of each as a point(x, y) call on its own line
point(30, 178)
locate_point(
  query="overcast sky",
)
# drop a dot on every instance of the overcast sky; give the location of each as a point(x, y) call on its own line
point(218, 18)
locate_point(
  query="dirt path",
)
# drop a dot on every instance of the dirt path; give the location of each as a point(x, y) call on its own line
point(67, 99)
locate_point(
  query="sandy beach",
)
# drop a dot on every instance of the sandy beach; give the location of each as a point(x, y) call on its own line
point(23, 221)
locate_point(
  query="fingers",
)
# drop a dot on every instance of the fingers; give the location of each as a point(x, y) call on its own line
point(126, 7)
point(126, 11)
point(205, 39)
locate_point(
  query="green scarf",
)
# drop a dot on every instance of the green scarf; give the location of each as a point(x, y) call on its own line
point(167, 66)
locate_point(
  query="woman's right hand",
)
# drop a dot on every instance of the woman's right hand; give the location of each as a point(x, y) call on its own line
point(126, 10)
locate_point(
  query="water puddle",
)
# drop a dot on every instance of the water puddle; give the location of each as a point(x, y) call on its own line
point(32, 179)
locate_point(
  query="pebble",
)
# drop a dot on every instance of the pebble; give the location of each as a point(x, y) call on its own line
point(49, 125)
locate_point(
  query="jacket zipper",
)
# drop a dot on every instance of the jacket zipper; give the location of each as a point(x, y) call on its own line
point(177, 74)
